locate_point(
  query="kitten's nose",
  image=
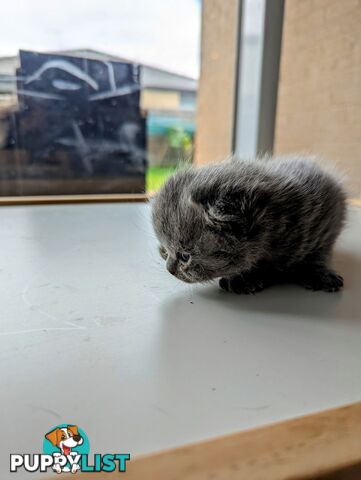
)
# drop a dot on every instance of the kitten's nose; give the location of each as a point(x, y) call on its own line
point(171, 265)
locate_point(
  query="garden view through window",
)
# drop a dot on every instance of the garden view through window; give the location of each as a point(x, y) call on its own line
point(94, 96)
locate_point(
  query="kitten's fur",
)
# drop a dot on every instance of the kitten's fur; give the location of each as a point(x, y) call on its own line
point(251, 223)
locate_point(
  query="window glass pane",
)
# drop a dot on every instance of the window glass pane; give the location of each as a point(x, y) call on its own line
point(250, 77)
point(95, 97)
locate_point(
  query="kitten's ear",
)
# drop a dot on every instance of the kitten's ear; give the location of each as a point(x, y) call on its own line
point(215, 207)
point(237, 210)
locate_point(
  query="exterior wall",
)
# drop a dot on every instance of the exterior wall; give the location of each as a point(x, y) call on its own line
point(319, 99)
point(216, 95)
point(8, 65)
point(160, 100)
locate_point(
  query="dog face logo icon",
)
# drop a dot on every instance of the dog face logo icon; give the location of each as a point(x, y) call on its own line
point(65, 438)
point(66, 442)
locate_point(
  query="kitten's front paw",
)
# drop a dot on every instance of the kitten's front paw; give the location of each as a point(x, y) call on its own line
point(322, 279)
point(242, 284)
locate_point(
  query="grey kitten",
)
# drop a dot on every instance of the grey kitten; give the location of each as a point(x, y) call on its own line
point(251, 223)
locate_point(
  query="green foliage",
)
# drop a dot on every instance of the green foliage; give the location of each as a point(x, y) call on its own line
point(179, 138)
point(156, 176)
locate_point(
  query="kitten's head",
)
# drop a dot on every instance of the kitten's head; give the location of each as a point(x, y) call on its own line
point(203, 235)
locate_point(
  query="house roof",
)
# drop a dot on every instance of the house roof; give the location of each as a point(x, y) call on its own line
point(151, 77)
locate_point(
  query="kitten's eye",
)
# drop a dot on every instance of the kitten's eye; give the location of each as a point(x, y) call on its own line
point(184, 257)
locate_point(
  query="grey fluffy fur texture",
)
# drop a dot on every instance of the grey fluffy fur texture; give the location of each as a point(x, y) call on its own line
point(252, 223)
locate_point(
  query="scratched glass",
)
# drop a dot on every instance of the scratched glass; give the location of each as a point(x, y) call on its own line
point(83, 119)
